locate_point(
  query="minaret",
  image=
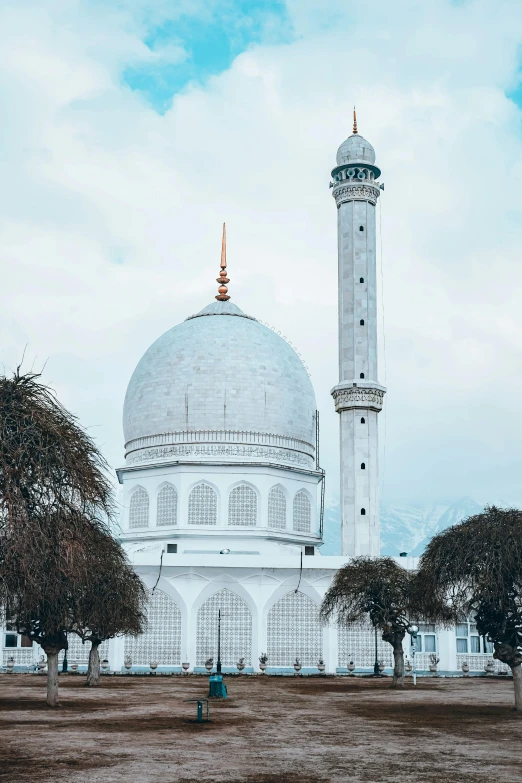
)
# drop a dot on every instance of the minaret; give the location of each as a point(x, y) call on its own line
point(358, 395)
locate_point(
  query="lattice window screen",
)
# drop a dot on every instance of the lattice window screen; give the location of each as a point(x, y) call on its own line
point(236, 629)
point(302, 512)
point(79, 652)
point(357, 643)
point(242, 506)
point(167, 506)
point(23, 656)
point(139, 508)
point(294, 630)
point(276, 508)
point(162, 638)
point(202, 506)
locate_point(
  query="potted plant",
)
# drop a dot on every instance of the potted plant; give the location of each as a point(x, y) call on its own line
point(407, 666)
point(209, 663)
point(105, 664)
point(74, 666)
point(153, 665)
point(10, 664)
point(489, 668)
point(263, 661)
point(465, 668)
point(381, 667)
point(433, 662)
point(42, 663)
point(240, 665)
point(128, 662)
point(351, 667)
point(321, 665)
point(297, 665)
point(185, 665)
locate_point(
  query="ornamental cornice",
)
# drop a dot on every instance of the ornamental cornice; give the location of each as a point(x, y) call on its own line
point(349, 397)
point(354, 191)
point(219, 451)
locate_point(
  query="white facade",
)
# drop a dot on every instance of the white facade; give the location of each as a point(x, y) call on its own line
point(358, 395)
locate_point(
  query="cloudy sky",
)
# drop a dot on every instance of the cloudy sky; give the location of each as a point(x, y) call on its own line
point(132, 128)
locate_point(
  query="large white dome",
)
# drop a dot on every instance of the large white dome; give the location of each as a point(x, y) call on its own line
point(356, 149)
point(220, 386)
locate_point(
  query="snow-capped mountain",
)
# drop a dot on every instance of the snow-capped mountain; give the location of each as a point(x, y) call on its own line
point(404, 528)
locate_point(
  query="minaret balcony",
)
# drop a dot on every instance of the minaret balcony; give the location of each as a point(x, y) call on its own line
point(350, 394)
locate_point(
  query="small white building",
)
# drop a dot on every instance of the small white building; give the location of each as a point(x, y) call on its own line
point(222, 492)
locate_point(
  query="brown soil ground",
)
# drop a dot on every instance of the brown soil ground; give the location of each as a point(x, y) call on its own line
point(269, 730)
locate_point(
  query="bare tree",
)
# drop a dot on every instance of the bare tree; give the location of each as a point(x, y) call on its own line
point(53, 491)
point(113, 602)
point(377, 589)
point(476, 568)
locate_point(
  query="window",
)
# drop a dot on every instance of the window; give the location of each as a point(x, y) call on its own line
point(242, 506)
point(361, 322)
point(11, 640)
point(361, 375)
point(25, 641)
point(202, 505)
point(139, 508)
point(363, 511)
point(363, 466)
point(469, 640)
point(363, 420)
point(309, 550)
point(277, 508)
point(167, 506)
point(361, 228)
point(172, 549)
point(361, 280)
point(302, 512)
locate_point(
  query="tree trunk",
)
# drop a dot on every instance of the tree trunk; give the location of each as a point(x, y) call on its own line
point(52, 677)
point(517, 684)
point(398, 666)
point(93, 670)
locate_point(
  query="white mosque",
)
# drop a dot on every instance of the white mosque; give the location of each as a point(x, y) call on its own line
point(222, 492)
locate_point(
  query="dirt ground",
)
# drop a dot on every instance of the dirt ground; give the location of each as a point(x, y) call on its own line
point(269, 730)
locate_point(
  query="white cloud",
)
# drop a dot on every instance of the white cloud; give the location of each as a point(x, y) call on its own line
point(110, 213)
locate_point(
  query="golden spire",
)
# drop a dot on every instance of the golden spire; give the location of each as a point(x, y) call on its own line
point(354, 121)
point(223, 279)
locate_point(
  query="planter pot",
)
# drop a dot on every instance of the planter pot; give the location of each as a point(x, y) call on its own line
point(10, 665)
point(74, 666)
point(128, 663)
point(263, 666)
point(297, 667)
point(42, 665)
point(185, 666)
point(153, 665)
point(465, 668)
point(208, 667)
point(240, 666)
point(351, 667)
point(489, 668)
point(433, 667)
point(105, 664)
point(321, 667)
point(408, 667)
point(381, 668)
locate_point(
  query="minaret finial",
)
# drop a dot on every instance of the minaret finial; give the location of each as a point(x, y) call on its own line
point(223, 279)
point(354, 121)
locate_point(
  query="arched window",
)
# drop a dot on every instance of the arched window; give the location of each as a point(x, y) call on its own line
point(363, 466)
point(242, 506)
point(302, 512)
point(202, 505)
point(361, 228)
point(361, 280)
point(361, 322)
point(293, 628)
point(276, 508)
point(361, 375)
point(167, 506)
point(139, 508)
point(363, 420)
point(236, 629)
point(363, 512)
point(161, 640)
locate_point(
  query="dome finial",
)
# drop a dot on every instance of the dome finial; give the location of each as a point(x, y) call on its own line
point(223, 279)
point(354, 121)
